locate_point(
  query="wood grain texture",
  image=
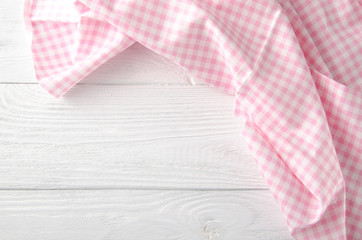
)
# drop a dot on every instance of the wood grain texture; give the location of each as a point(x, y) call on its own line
point(101, 215)
point(133, 152)
point(122, 137)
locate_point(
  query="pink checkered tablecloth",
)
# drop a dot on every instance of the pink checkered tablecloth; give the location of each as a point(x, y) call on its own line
point(294, 68)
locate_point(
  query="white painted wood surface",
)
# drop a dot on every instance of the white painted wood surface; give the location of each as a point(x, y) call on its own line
point(133, 152)
point(139, 214)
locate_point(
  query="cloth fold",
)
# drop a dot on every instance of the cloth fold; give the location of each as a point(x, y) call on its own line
point(293, 67)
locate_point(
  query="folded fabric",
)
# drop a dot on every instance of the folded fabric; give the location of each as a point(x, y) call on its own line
point(294, 68)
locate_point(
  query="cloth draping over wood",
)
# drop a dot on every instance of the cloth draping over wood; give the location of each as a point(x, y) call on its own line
point(294, 68)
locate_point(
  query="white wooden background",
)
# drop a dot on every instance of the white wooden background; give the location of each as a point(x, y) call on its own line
point(132, 152)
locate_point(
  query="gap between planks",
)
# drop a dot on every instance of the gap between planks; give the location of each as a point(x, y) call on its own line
point(139, 189)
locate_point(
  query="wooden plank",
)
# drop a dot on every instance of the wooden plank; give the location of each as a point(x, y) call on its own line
point(15, 56)
point(122, 137)
point(136, 65)
point(96, 215)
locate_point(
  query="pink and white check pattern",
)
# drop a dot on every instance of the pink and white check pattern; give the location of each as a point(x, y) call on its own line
point(294, 68)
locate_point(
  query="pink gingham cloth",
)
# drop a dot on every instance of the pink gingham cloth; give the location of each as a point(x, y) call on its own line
point(294, 68)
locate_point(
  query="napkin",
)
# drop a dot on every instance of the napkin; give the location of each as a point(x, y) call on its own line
point(294, 68)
